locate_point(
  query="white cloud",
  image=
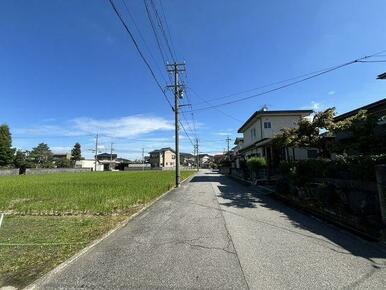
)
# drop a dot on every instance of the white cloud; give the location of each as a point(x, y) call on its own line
point(128, 126)
point(124, 127)
point(331, 93)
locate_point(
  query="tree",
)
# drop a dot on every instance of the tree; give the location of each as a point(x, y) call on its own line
point(20, 159)
point(76, 152)
point(6, 150)
point(308, 132)
point(41, 156)
point(63, 163)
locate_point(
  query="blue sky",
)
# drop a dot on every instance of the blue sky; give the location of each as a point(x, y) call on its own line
point(68, 69)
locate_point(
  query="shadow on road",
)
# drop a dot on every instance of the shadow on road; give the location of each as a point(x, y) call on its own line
point(240, 196)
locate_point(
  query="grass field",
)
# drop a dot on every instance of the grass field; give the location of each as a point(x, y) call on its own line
point(82, 193)
point(51, 217)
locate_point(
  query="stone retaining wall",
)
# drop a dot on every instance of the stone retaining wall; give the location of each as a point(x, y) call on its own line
point(7, 172)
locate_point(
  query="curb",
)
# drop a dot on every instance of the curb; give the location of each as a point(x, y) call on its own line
point(77, 255)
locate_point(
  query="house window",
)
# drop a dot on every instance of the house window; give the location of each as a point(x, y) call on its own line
point(312, 153)
point(253, 134)
point(166, 163)
point(267, 125)
point(173, 156)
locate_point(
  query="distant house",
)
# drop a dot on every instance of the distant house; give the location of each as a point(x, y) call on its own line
point(61, 156)
point(107, 156)
point(218, 158)
point(263, 125)
point(375, 110)
point(205, 158)
point(237, 156)
point(89, 164)
point(109, 161)
point(187, 159)
point(164, 157)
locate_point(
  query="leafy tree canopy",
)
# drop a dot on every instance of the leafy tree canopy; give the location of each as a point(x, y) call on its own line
point(41, 156)
point(6, 150)
point(76, 152)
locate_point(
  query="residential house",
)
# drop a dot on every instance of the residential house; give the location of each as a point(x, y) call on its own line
point(205, 160)
point(89, 164)
point(108, 161)
point(375, 110)
point(164, 157)
point(187, 159)
point(61, 156)
point(218, 158)
point(237, 156)
point(262, 126)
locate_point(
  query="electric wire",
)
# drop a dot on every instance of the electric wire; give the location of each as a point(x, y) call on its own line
point(140, 53)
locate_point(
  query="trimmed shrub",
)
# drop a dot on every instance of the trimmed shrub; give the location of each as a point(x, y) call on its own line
point(255, 163)
point(344, 167)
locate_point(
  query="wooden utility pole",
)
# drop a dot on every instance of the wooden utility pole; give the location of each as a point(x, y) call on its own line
point(143, 159)
point(197, 155)
point(228, 139)
point(96, 152)
point(175, 68)
point(111, 155)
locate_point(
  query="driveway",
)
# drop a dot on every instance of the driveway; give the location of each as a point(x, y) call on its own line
point(213, 233)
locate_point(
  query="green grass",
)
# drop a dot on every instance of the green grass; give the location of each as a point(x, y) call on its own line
point(51, 217)
point(31, 246)
point(82, 193)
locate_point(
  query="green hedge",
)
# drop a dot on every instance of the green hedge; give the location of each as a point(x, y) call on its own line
point(255, 163)
point(344, 167)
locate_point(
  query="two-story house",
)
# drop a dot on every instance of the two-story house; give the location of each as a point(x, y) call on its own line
point(164, 157)
point(239, 141)
point(259, 129)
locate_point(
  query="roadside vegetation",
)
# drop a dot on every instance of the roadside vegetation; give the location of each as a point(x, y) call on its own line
point(51, 217)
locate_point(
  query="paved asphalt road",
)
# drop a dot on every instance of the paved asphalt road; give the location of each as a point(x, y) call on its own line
point(213, 233)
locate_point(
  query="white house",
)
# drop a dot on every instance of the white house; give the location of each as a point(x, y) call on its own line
point(263, 125)
point(90, 164)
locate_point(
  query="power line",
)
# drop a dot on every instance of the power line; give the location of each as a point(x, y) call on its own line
point(154, 31)
point(167, 27)
point(143, 39)
point(266, 85)
point(289, 84)
point(187, 135)
point(160, 25)
point(140, 53)
point(364, 61)
point(218, 110)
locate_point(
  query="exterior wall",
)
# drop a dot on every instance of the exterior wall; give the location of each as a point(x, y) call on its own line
point(7, 172)
point(155, 159)
point(163, 159)
point(88, 164)
point(248, 134)
point(299, 153)
point(253, 152)
point(278, 123)
point(204, 159)
point(38, 171)
point(169, 159)
point(256, 130)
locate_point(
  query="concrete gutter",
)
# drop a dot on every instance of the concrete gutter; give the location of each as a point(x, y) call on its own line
point(36, 283)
